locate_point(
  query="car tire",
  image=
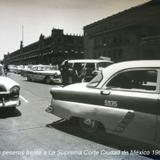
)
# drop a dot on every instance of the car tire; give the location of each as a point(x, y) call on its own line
point(88, 125)
point(48, 80)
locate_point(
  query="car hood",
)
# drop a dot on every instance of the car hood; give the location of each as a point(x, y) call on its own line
point(7, 82)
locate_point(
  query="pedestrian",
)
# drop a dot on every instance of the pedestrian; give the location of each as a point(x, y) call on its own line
point(89, 73)
point(64, 68)
point(77, 73)
point(6, 69)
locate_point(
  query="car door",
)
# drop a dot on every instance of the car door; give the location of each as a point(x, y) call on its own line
point(44, 72)
point(133, 96)
point(41, 75)
point(37, 73)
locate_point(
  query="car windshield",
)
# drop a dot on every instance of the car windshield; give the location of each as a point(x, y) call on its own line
point(95, 81)
point(45, 68)
point(51, 68)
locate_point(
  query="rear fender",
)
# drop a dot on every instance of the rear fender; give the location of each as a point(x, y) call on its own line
point(107, 116)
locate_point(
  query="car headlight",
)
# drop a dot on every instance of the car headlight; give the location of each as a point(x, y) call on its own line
point(14, 91)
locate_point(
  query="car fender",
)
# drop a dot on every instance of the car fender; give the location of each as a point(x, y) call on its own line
point(7, 82)
point(108, 116)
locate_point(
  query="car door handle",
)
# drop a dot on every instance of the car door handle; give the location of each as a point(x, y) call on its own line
point(106, 92)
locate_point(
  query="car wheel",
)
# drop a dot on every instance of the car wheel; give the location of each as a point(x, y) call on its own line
point(48, 80)
point(88, 125)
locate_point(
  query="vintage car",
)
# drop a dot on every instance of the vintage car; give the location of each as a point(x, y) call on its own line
point(46, 73)
point(26, 69)
point(9, 92)
point(124, 98)
point(17, 69)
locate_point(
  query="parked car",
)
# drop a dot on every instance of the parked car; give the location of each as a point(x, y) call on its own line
point(18, 69)
point(46, 73)
point(12, 68)
point(9, 91)
point(83, 70)
point(123, 97)
point(26, 69)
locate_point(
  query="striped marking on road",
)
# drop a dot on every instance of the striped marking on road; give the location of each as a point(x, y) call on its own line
point(25, 100)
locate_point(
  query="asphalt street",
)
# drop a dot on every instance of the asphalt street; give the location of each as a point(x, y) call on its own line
point(25, 135)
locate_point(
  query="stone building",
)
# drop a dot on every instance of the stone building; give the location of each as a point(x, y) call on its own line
point(50, 50)
point(129, 35)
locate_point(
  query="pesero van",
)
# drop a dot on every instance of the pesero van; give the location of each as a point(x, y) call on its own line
point(86, 69)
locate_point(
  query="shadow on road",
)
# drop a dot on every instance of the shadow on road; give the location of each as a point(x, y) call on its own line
point(100, 136)
point(9, 112)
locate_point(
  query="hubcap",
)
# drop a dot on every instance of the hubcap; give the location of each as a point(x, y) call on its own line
point(89, 122)
point(88, 125)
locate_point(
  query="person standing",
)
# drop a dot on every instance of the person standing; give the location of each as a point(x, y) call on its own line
point(6, 69)
point(65, 72)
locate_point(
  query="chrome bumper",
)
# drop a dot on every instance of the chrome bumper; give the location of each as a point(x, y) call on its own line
point(10, 103)
point(56, 80)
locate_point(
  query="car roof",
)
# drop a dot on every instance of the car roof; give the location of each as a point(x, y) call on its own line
point(136, 64)
point(88, 61)
point(41, 65)
point(116, 67)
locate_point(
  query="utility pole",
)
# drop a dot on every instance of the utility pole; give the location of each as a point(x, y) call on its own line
point(22, 33)
point(21, 44)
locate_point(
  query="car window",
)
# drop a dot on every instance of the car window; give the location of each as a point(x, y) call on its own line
point(70, 65)
point(145, 80)
point(78, 65)
point(40, 68)
point(34, 68)
point(90, 65)
point(54, 67)
point(96, 80)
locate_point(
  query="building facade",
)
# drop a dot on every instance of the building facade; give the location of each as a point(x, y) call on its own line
point(50, 50)
point(129, 35)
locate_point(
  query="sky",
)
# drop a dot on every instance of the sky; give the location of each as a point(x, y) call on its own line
point(41, 16)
